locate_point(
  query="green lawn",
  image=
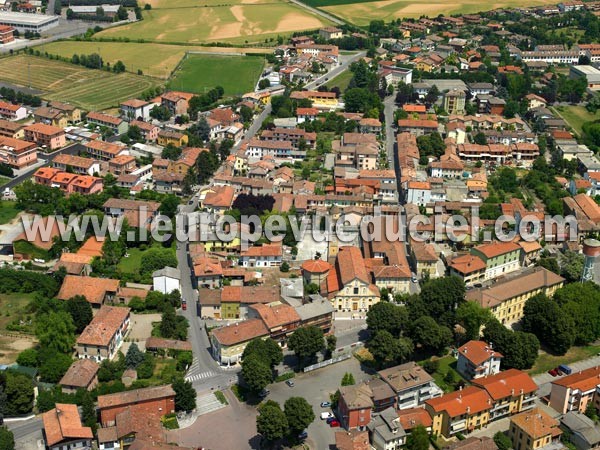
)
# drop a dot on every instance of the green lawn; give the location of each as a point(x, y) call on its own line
point(34, 252)
point(12, 307)
point(546, 362)
point(8, 211)
point(133, 263)
point(446, 364)
point(236, 74)
point(341, 81)
point(576, 116)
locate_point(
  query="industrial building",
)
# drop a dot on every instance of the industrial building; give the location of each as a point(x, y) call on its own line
point(590, 73)
point(36, 23)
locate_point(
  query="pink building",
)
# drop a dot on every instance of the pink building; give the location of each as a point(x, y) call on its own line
point(46, 136)
point(17, 153)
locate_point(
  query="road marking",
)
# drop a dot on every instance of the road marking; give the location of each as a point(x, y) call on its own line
point(199, 376)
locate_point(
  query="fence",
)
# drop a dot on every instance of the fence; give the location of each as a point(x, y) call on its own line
point(327, 362)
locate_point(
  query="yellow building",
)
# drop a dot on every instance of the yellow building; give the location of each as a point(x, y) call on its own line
point(228, 343)
point(506, 297)
point(175, 138)
point(461, 411)
point(425, 66)
point(425, 259)
point(533, 429)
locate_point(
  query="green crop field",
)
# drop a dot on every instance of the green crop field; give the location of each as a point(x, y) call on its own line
point(237, 23)
point(87, 88)
point(236, 74)
point(362, 13)
point(156, 60)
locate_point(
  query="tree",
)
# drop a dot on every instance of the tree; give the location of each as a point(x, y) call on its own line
point(348, 379)
point(206, 165)
point(432, 95)
point(571, 266)
point(331, 343)
point(544, 318)
point(430, 335)
point(256, 373)
point(28, 358)
point(171, 152)
point(264, 83)
point(185, 395)
point(134, 356)
point(472, 317)
point(480, 139)
point(19, 393)
point(203, 129)
point(271, 422)
point(7, 440)
point(80, 311)
point(405, 94)
point(169, 205)
point(246, 113)
point(285, 267)
point(56, 331)
point(385, 348)
point(418, 439)
point(88, 411)
point(305, 342)
point(54, 366)
point(520, 349)
point(157, 258)
point(387, 316)
point(265, 349)
point(441, 296)
point(122, 13)
point(160, 113)
point(119, 67)
point(299, 414)
point(502, 441)
point(168, 324)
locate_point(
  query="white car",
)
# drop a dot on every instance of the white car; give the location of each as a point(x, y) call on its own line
point(326, 415)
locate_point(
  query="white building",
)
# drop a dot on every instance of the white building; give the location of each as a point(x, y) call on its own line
point(418, 192)
point(477, 359)
point(166, 280)
point(267, 255)
point(36, 23)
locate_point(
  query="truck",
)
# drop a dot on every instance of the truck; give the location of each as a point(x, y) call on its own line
point(565, 369)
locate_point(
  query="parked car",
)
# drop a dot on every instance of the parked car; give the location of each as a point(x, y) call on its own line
point(553, 372)
point(290, 383)
point(303, 435)
point(331, 419)
point(327, 415)
point(334, 423)
point(264, 393)
point(325, 404)
point(565, 369)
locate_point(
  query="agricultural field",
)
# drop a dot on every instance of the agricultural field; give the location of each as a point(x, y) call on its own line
point(236, 74)
point(156, 60)
point(240, 22)
point(87, 88)
point(362, 13)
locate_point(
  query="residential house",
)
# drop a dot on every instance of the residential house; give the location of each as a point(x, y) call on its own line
point(135, 109)
point(576, 391)
point(462, 411)
point(352, 440)
point(306, 114)
point(156, 400)
point(473, 443)
point(166, 137)
point(103, 337)
point(176, 102)
point(228, 343)
point(582, 431)
point(149, 131)
point(425, 259)
point(168, 182)
point(208, 272)
point(96, 290)
point(219, 199)
point(166, 280)
point(454, 101)
point(51, 116)
point(63, 428)
point(533, 429)
point(368, 125)
point(121, 164)
point(386, 431)
point(507, 296)
point(45, 136)
point(266, 255)
point(329, 33)
point(280, 319)
point(67, 182)
point(499, 257)
point(76, 164)
point(477, 359)
point(417, 127)
point(104, 151)
point(137, 212)
point(72, 113)
point(17, 153)
point(470, 268)
point(412, 385)
point(115, 124)
point(82, 374)
point(10, 129)
point(512, 391)
point(9, 111)
point(354, 406)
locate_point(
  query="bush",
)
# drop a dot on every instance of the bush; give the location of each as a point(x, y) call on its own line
point(431, 366)
point(221, 397)
point(285, 376)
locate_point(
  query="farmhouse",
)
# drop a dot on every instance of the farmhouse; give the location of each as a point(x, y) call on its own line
point(83, 374)
point(63, 428)
point(96, 290)
point(157, 400)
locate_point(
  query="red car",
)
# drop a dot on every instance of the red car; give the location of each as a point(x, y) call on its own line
point(553, 372)
point(183, 305)
point(334, 423)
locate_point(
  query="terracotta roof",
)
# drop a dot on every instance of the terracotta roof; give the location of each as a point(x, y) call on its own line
point(142, 125)
point(589, 207)
point(129, 292)
point(414, 108)
point(508, 383)
point(101, 117)
point(276, 315)
point(316, 266)
point(74, 161)
point(221, 197)
point(131, 205)
point(410, 418)
point(94, 289)
point(536, 423)
point(497, 248)
point(478, 352)
point(9, 106)
point(419, 185)
point(240, 332)
point(274, 249)
point(505, 289)
point(352, 440)
point(474, 443)
point(92, 247)
point(250, 294)
point(351, 265)
point(105, 147)
point(135, 396)
point(104, 326)
point(134, 103)
point(42, 128)
point(80, 374)
point(583, 380)
point(470, 400)
point(63, 423)
point(417, 123)
point(171, 344)
point(467, 264)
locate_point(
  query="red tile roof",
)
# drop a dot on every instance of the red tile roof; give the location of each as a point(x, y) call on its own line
point(104, 326)
point(63, 423)
point(135, 396)
point(470, 400)
point(93, 288)
point(80, 374)
point(508, 383)
point(240, 332)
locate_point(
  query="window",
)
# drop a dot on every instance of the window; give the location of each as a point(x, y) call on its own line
point(355, 291)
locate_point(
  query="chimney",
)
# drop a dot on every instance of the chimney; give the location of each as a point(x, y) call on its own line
point(468, 409)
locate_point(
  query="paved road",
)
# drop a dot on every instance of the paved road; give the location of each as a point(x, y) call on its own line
point(21, 429)
point(319, 12)
point(255, 127)
point(345, 64)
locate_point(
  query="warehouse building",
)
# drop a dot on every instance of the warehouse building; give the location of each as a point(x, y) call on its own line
point(36, 23)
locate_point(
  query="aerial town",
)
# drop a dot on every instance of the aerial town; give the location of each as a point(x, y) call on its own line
point(305, 225)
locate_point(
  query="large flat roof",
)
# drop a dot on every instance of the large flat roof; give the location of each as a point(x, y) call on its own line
point(588, 70)
point(26, 18)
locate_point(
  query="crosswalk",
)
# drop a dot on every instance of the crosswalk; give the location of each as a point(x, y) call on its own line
point(200, 376)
